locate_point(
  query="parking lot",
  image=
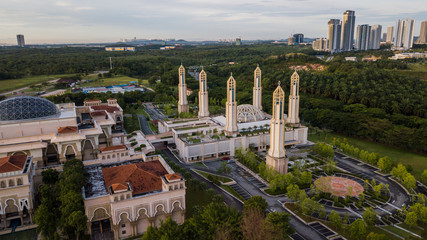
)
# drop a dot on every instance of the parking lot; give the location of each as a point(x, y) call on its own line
point(352, 170)
point(242, 192)
point(296, 236)
point(320, 228)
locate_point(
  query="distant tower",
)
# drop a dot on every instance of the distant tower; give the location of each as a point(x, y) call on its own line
point(182, 88)
point(347, 30)
point(293, 111)
point(257, 88)
point(231, 108)
point(21, 41)
point(203, 95)
point(276, 157)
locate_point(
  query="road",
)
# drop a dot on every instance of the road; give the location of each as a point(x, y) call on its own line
point(154, 113)
point(144, 125)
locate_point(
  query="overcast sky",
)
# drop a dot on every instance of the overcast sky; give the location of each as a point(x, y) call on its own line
point(74, 21)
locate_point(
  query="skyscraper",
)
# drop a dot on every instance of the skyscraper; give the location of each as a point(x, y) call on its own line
point(203, 95)
point(408, 33)
point(375, 37)
point(21, 41)
point(182, 88)
point(298, 38)
point(257, 89)
point(423, 33)
point(363, 33)
point(231, 108)
point(390, 34)
point(404, 37)
point(347, 30)
point(334, 35)
point(320, 44)
point(276, 157)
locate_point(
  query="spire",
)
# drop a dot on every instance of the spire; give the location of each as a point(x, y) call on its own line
point(278, 83)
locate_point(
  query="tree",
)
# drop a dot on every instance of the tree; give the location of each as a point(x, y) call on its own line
point(409, 181)
point(256, 202)
point(50, 176)
point(277, 225)
point(346, 219)
point(399, 171)
point(293, 191)
point(330, 167)
point(252, 225)
point(358, 229)
point(424, 177)
point(369, 216)
point(151, 233)
point(411, 219)
point(385, 164)
point(375, 236)
point(322, 212)
point(46, 221)
point(335, 219)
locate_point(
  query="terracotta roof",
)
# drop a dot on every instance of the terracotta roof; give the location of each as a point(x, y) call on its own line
point(173, 176)
point(118, 186)
point(109, 109)
point(98, 113)
point(68, 129)
point(143, 177)
point(12, 163)
point(112, 148)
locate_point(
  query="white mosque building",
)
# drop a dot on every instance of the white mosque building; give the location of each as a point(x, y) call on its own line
point(242, 126)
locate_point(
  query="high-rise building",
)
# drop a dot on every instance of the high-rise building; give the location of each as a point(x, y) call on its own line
point(291, 41)
point(390, 34)
point(375, 37)
point(298, 38)
point(334, 35)
point(276, 157)
point(384, 37)
point(238, 41)
point(21, 41)
point(231, 108)
point(257, 89)
point(203, 95)
point(347, 30)
point(422, 39)
point(293, 110)
point(404, 37)
point(182, 88)
point(362, 37)
point(320, 44)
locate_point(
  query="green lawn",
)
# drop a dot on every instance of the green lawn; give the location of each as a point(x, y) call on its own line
point(416, 70)
point(415, 230)
point(200, 164)
point(399, 232)
point(116, 80)
point(12, 84)
point(232, 191)
point(222, 179)
point(417, 161)
point(196, 197)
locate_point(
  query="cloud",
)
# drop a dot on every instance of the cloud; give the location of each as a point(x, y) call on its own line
point(80, 20)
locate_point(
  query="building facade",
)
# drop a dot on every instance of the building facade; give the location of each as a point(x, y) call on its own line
point(21, 40)
point(182, 91)
point(404, 37)
point(390, 34)
point(203, 95)
point(347, 30)
point(422, 39)
point(334, 35)
point(375, 37)
point(363, 33)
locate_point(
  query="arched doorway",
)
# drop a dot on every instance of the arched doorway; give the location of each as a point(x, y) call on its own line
point(143, 221)
point(160, 215)
point(12, 214)
point(101, 226)
point(69, 153)
point(125, 228)
point(177, 213)
point(51, 153)
point(87, 149)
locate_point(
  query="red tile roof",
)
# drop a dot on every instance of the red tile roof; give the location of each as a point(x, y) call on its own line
point(109, 109)
point(143, 177)
point(173, 176)
point(12, 163)
point(112, 148)
point(98, 113)
point(118, 186)
point(68, 129)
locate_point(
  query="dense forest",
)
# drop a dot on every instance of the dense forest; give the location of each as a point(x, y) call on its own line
point(369, 100)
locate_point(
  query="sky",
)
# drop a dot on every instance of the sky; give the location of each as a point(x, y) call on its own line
point(84, 21)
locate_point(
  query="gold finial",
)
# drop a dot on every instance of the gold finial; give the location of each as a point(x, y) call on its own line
point(231, 74)
point(257, 65)
point(279, 83)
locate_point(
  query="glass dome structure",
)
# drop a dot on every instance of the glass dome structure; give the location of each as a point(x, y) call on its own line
point(26, 107)
point(249, 113)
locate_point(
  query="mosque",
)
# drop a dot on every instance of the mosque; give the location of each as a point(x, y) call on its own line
point(243, 126)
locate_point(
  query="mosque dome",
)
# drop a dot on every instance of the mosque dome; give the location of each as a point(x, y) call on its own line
point(26, 107)
point(249, 113)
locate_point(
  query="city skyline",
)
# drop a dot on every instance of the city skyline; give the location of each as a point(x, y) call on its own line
point(106, 21)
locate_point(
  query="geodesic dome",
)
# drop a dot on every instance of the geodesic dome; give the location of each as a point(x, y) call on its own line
point(26, 107)
point(249, 113)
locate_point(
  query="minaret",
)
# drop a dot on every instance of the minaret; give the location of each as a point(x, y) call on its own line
point(293, 111)
point(257, 88)
point(182, 88)
point(203, 95)
point(231, 108)
point(276, 157)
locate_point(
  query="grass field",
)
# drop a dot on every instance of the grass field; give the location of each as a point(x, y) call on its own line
point(416, 70)
point(222, 179)
point(417, 161)
point(12, 84)
point(399, 232)
point(116, 80)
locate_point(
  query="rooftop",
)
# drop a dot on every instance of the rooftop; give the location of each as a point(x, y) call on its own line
point(113, 148)
point(12, 163)
point(68, 129)
point(109, 109)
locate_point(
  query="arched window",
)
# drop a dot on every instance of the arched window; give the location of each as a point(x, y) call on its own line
point(3, 184)
point(114, 155)
point(20, 181)
point(11, 183)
